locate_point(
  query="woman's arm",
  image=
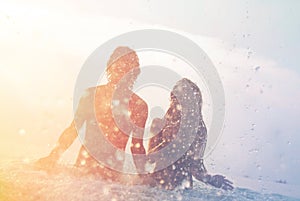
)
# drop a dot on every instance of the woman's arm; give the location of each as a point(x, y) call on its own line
point(200, 173)
point(198, 169)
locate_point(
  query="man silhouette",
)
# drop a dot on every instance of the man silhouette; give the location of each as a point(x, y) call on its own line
point(95, 115)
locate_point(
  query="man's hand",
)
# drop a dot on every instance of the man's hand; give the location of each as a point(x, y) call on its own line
point(46, 163)
point(219, 181)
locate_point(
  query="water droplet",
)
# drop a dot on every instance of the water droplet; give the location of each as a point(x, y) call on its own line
point(82, 162)
point(179, 197)
point(22, 132)
point(119, 155)
point(258, 167)
point(249, 54)
point(105, 190)
point(219, 193)
point(149, 167)
point(115, 102)
point(186, 184)
point(137, 145)
point(257, 68)
point(253, 151)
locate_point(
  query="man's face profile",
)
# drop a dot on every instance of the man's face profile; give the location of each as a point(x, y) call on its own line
point(126, 66)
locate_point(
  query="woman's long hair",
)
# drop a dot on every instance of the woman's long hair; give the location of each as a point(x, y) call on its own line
point(183, 117)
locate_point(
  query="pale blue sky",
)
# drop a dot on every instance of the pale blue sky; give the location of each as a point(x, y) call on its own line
point(269, 28)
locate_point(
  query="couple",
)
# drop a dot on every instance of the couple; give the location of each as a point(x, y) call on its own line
point(96, 111)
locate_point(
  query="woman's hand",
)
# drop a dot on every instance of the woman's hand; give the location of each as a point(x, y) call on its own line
point(219, 181)
point(199, 171)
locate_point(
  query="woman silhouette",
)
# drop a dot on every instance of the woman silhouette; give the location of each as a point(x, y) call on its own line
point(183, 119)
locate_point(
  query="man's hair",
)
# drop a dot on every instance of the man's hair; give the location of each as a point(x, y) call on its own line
point(126, 59)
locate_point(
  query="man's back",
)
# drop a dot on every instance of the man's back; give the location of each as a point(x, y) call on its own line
point(96, 108)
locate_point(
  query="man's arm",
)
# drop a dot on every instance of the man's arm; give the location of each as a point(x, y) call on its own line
point(139, 117)
point(65, 140)
point(67, 137)
point(63, 143)
point(156, 140)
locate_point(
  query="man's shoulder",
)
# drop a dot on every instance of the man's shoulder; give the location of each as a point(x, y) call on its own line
point(98, 87)
point(137, 100)
point(92, 90)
